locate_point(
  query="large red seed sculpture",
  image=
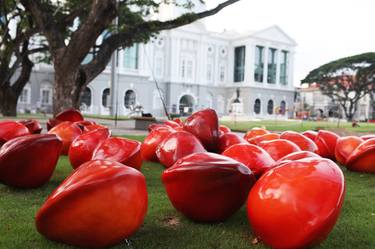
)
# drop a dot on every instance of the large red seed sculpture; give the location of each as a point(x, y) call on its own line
point(99, 205)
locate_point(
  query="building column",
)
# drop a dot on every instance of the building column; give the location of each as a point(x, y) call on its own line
point(265, 69)
point(249, 65)
point(290, 70)
point(278, 63)
point(175, 59)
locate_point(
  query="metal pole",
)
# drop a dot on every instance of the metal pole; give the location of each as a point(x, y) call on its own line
point(114, 86)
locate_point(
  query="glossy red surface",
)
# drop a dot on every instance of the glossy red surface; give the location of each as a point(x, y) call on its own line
point(29, 161)
point(252, 156)
point(303, 142)
point(297, 204)
point(367, 137)
point(93, 127)
point(295, 156)
point(11, 129)
point(224, 129)
point(83, 147)
point(156, 126)
point(345, 146)
point(67, 132)
point(266, 137)
point(279, 148)
point(299, 155)
point(99, 205)
point(207, 187)
point(172, 124)
point(84, 123)
point(204, 125)
point(122, 150)
point(32, 125)
point(72, 115)
point(228, 139)
point(310, 134)
point(177, 145)
point(362, 159)
point(152, 141)
point(326, 142)
point(178, 121)
point(254, 132)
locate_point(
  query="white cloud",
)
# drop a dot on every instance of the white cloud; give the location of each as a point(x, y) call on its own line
point(325, 30)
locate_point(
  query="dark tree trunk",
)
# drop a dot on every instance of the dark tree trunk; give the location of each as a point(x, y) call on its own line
point(8, 102)
point(68, 85)
point(372, 108)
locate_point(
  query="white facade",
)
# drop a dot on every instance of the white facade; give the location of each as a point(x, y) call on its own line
point(312, 99)
point(195, 69)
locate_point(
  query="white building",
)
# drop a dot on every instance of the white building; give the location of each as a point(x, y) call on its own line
point(195, 69)
point(312, 99)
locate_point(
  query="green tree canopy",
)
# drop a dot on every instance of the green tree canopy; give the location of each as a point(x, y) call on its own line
point(72, 28)
point(346, 80)
point(17, 45)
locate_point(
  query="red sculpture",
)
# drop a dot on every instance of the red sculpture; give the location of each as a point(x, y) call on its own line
point(297, 204)
point(204, 125)
point(122, 150)
point(99, 205)
point(177, 145)
point(207, 187)
point(254, 157)
point(29, 161)
point(83, 147)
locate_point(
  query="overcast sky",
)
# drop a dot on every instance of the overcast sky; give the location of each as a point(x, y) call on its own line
point(325, 30)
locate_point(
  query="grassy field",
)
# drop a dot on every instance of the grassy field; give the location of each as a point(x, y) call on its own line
point(298, 125)
point(165, 228)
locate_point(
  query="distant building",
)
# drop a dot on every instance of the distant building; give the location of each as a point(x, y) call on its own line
point(195, 69)
point(312, 100)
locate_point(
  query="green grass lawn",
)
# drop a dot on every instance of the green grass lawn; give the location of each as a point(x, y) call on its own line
point(298, 125)
point(165, 228)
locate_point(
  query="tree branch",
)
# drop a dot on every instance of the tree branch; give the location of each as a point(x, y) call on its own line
point(140, 33)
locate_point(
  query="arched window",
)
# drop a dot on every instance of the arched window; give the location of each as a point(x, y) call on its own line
point(86, 97)
point(46, 93)
point(186, 105)
point(270, 106)
point(257, 106)
point(105, 97)
point(129, 99)
point(282, 107)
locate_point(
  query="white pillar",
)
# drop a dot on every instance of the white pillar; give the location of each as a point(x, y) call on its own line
point(265, 69)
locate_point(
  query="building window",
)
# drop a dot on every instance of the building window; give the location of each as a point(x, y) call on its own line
point(270, 106)
point(209, 71)
point(105, 97)
point(284, 68)
point(282, 107)
point(86, 97)
point(239, 64)
point(222, 73)
point(187, 68)
point(131, 57)
point(257, 106)
point(271, 75)
point(24, 97)
point(183, 68)
point(129, 99)
point(46, 96)
point(259, 64)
